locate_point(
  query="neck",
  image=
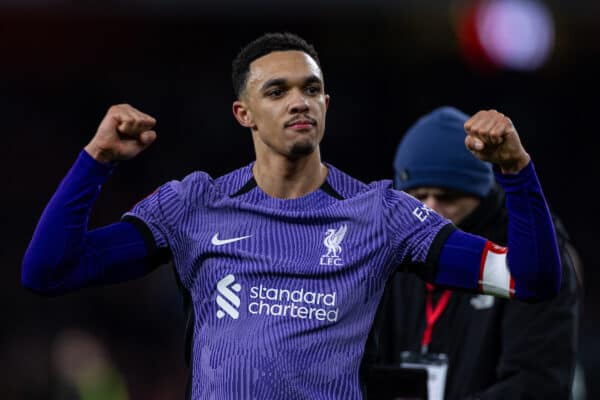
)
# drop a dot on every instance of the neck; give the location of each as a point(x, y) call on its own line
point(286, 178)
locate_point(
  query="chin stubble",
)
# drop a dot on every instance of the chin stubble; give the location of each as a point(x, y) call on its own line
point(301, 149)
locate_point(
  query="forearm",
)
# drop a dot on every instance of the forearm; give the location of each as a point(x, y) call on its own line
point(529, 268)
point(62, 254)
point(533, 258)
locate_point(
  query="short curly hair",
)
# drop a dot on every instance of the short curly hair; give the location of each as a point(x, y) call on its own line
point(264, 45)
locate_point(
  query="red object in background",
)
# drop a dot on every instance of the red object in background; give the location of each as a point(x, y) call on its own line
point(468, 39)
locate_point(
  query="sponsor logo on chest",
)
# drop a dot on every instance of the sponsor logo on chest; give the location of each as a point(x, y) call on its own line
point(269, 301)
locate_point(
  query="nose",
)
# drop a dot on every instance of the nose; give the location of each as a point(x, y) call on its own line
point(298, 102)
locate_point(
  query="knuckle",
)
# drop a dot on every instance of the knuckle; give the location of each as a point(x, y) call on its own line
point(118, 109)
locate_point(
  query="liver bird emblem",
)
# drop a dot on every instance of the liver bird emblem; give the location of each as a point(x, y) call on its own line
point(332, 241)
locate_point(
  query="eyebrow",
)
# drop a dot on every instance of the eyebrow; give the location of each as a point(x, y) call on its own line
point(282, 82)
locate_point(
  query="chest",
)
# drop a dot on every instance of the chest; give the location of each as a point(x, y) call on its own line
point(257, 242)
point(285, 259)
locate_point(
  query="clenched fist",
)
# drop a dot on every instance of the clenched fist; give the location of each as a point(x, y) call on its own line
point(123, 134)
point(492, 137)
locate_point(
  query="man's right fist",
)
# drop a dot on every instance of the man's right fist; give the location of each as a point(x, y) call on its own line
point(123, 134)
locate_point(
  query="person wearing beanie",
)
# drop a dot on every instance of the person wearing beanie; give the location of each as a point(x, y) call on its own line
point(433, 153)
point(478, 346)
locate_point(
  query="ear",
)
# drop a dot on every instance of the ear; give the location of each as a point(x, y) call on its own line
point(242, 114)
point(327, 99)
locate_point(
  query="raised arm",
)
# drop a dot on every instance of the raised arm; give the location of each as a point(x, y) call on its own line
point(62, 254)
point(529, 267)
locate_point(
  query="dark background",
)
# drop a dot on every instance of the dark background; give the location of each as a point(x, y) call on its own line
point(63, 63)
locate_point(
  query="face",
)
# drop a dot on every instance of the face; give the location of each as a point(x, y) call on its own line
point(284, 104)
point(452, 204)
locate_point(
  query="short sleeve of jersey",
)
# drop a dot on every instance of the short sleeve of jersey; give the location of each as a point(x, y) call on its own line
point(411, 226)
point(164, 208)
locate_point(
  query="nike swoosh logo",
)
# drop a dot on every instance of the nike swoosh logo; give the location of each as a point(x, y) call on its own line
point(220, 242)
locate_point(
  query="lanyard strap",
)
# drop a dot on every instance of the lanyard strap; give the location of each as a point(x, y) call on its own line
point(432, 314)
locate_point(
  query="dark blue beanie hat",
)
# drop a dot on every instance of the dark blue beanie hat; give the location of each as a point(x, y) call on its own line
point(433, 153)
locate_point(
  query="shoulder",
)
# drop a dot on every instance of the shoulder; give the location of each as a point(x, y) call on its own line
point(191, 186)
point(201, 184)
point(234, 181)
point(381, 190)
point(343, 184)
point(348, 186)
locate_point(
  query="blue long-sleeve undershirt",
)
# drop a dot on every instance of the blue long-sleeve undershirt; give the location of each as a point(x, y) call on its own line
point(533, 258)
point(63, 255)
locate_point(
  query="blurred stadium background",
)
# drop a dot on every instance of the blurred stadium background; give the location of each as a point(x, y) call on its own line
point(62, 63)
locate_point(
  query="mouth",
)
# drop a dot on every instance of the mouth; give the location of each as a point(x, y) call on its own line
point(301, 124)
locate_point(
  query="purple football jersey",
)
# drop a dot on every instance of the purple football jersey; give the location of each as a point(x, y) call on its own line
point(284, 292)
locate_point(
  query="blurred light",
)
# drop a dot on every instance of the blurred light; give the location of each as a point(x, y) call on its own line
point(513, 34)
point(517, 34)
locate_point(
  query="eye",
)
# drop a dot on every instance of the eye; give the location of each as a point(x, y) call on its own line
point(275, 93)
point(313, 89)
